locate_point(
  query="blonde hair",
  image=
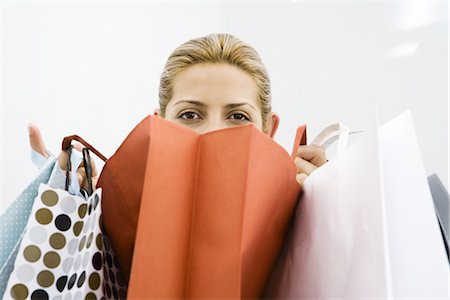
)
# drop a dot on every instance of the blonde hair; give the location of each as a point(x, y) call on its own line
point(217, 48)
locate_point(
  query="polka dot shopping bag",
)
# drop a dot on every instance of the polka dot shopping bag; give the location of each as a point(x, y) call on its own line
point(64, 253)
point(14, 220)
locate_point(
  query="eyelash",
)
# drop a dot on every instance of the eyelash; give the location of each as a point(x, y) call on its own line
point(247, 119)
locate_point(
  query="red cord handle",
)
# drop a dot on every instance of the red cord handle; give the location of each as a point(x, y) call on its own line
point(67, 141)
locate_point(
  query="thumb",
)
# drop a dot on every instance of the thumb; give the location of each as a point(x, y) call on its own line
point(301, 177)
point(36, 142)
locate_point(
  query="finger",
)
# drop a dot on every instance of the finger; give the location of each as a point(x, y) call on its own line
point(81, 172)
point(78, 146)
point(94, 168)
point(62, 159)
point(304, 166)
point(94, 182)
point(84, 183)
point(82, 180)
point(36, 141)
point(301, 178)
point(312, 153)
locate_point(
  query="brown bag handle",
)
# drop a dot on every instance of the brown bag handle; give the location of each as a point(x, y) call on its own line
point(300, 139)
point(67, 141)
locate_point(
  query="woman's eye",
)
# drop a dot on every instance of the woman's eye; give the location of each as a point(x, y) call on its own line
point(189, 115)
point(240, 117)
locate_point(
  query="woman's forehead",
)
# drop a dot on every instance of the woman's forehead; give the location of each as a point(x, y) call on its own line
point(214, 84)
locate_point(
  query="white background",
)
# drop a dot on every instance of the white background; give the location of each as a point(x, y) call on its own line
point(93, 68)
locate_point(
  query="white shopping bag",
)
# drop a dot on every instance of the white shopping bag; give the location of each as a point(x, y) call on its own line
point(365, 225)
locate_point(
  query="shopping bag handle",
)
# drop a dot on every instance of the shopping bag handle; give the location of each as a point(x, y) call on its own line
point(67, 141)
point(87, 168)
point(332, 133)
point(300, 139)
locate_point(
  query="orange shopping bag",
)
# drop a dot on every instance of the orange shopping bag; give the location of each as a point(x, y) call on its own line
point(198, 215)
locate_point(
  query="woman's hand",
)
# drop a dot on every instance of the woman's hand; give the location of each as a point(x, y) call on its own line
point(307, 160)
point(37, 144)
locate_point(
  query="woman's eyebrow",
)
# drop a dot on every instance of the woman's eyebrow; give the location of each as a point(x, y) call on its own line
point(201, 104)
point(233, 105)
point(198, 103)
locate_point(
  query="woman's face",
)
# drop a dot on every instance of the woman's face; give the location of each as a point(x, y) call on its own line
point(209, 97)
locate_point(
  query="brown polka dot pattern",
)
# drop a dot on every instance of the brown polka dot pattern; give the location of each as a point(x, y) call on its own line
point(99, 242)
point(49, 198)
point(82, 210)
point(45, 278)
point(19, 291)
point(69, 255)
point(57, 241)
point(94, 281)
point(77, 227)
point(44, 216)
point(51, 259)
point(32, 253)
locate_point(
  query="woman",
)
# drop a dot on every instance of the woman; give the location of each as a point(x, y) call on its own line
point(210, 83)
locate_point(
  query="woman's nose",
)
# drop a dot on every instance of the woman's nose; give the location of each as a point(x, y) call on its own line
point(214, 124)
